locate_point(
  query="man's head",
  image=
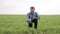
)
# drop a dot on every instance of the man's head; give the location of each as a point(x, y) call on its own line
point(32, 9)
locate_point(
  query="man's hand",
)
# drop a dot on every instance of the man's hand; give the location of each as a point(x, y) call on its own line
point(29, 20)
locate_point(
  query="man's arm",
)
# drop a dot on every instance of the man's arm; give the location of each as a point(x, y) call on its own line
point(37, 15)
point(28, 17)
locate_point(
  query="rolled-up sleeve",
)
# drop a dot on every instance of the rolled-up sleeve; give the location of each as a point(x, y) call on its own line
point(27, 16)
point(37, 16)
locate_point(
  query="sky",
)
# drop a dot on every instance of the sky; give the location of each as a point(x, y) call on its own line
point(43, 7)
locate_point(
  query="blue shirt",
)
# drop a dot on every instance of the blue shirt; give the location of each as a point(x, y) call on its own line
point(29, 15)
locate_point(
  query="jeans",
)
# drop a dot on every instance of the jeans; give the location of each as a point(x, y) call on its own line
point(35, 21)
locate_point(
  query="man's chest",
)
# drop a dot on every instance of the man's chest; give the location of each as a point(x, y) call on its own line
point(32, 16)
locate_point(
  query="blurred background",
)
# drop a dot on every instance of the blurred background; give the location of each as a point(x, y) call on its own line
point(43, 7)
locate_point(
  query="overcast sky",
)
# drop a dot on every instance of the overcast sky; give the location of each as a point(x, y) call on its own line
point(23, 6)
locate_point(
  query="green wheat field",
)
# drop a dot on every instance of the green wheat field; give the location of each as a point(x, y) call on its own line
point(16, 24)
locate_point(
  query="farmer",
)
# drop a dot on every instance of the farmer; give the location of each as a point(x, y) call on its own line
point(32, 17)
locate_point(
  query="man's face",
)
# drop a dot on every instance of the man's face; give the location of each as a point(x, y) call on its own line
point(32, 10)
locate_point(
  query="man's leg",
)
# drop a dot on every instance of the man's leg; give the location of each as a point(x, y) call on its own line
point(30, 24)
point(35, 23)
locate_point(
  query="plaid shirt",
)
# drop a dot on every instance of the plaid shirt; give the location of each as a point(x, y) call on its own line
point(29, 15)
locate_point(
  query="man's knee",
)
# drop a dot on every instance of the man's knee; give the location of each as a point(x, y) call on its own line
point(30, 24)
point(34, 20)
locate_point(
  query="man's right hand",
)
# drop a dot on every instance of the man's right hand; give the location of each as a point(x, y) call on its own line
point(29, 20)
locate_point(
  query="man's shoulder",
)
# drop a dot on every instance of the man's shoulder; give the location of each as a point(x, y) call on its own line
point(36, 13)
point(28, 13)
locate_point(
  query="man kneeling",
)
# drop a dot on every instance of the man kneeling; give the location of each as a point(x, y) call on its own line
point(32, 17)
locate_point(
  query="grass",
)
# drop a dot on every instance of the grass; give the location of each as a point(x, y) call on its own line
point(16, 24)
